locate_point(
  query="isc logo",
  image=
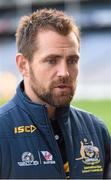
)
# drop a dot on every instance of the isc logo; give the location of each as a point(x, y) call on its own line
point(24, 129)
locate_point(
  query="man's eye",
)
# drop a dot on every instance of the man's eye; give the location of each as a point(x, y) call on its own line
point(51, 61)
point(72, 60)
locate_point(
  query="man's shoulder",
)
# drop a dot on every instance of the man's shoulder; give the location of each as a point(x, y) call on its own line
point(80, 112)
point(85, 117)
point(88, 123)
point(7, 119)
point(6, 108)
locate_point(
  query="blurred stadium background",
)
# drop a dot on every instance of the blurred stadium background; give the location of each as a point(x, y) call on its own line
point(94, 19)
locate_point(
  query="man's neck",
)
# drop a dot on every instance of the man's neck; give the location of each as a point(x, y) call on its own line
point(51, 112)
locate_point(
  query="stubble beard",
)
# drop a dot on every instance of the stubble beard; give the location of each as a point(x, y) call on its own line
point(50, 96)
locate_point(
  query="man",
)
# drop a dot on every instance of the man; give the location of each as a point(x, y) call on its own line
point(41, 135)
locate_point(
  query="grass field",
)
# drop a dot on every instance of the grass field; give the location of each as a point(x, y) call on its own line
point(100, 108)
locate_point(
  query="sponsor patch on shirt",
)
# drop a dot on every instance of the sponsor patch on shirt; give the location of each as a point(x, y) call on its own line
point(25, 129)
point(48, 158)
point(28, 160)
point(44, 158)
point(90, 156)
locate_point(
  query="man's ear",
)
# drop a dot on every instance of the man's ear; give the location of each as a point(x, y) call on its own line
point(22, 64)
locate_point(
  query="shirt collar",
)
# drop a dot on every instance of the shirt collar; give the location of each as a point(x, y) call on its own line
point(35, 108)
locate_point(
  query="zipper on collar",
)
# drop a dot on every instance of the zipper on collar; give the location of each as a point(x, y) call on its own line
point(54, 146)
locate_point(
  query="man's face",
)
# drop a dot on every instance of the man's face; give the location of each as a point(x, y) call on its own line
point(54, 68)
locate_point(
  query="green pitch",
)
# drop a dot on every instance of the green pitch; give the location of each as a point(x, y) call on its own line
point(100, 108)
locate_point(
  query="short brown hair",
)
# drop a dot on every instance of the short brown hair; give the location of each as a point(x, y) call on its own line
point(42, 19)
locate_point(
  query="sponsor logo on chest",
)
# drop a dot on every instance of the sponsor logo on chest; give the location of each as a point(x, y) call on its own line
point(44, 157)
point(25, 129)
point(90, 157)
point(48, 158)
point(28, 160)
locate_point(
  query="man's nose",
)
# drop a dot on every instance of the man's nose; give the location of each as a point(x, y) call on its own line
point(63, 70)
